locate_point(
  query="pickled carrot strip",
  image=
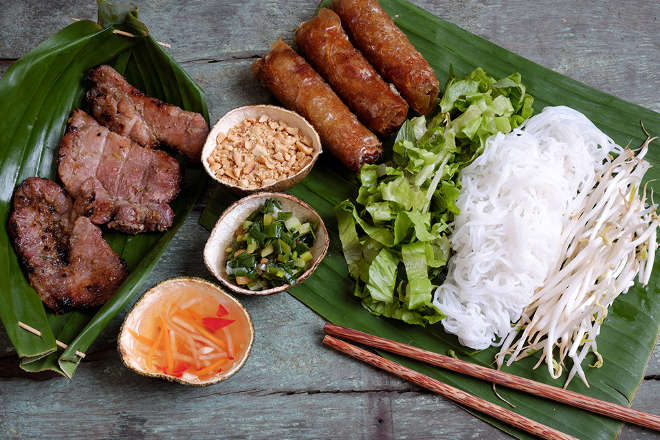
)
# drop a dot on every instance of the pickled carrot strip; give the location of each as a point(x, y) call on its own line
point(168, 347)
point(194, 334)
point(180, 321)
point(178, 332)
point(153, 348)
point(160, 356)
point(208, 335)
point(141, 338)
point(192, 313)
point(180, 342)
point(173, 343)
point(203, 331)
point(177, 357)
point(213, 368)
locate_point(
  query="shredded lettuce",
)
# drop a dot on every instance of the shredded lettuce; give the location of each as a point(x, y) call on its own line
point(395, 235)
point(382, 276)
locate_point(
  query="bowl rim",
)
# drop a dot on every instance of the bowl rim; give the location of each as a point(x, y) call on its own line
point(283, 287)
point(316, 146)
point(160, 375)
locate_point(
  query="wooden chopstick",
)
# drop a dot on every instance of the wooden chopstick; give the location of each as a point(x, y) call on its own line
point(447, 391)
point(557, 394)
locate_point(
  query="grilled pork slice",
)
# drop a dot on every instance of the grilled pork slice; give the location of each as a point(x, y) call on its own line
point(116, 181)
point(67, 261)
point(148, 121)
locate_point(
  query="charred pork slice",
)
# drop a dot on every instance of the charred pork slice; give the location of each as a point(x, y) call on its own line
point(67, 261)
point(116, 181)
point(147, 121)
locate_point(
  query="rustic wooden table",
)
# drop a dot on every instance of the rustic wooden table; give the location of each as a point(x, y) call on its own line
point(291, 386)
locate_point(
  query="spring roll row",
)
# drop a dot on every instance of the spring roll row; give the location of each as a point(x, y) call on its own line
point(354, 76)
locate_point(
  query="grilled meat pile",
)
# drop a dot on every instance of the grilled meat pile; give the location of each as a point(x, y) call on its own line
point(147, 121)
point(115, 180)
point(113, 176)
point(66, 259)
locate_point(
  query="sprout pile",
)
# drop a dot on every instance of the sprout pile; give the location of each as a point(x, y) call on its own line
point(605, 245)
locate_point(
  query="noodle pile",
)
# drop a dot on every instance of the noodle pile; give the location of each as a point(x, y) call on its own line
point(551, 230)
point(516, 198)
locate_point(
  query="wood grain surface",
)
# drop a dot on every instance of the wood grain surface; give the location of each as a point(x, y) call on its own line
point(292, 386)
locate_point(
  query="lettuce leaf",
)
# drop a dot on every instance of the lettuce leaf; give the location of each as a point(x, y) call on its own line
point(395, 236)
point(382, 276)
point(419, 286)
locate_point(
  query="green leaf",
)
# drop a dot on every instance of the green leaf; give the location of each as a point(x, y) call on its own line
point(628, 334)
point(380, 211)
point(455, 90)
point(422, 224)
point(37, 95)
point(419, 285)
point(123, 15)
point(406, 132)
point(381, 234)
point(66, 327)
point(382, 275)
point(350, 243)
point(446, 195)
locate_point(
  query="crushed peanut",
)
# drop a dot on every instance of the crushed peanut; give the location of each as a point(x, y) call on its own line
point(255, 153)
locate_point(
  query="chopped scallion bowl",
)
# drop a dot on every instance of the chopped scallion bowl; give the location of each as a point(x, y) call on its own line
point(270, 248)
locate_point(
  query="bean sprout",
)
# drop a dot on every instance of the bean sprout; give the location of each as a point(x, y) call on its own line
point(605, 245)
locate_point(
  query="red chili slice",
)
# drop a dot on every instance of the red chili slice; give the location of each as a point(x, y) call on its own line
point(180, 368)
point(213, 324)
point(221, 311)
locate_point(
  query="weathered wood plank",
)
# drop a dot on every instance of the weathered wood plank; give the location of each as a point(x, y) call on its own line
point(607, 46)
point(292, 386)
point(248, 415)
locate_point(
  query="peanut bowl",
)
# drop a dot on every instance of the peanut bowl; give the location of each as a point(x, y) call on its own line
point(260, 148)
point(221, 244)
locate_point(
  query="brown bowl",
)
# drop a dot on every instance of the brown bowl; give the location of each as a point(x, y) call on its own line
point(222, 237)
point(234, 117)
point(126, 343)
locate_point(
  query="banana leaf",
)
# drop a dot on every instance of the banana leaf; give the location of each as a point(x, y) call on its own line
point(630, 331)
point(37, 95)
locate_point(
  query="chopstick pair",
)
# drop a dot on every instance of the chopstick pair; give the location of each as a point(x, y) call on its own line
point(561, 395)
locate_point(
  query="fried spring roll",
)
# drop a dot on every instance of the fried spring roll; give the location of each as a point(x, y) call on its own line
point(326, 46)
point(389, 51)
point(297, 85)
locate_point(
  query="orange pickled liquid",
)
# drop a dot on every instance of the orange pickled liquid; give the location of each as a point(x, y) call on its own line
point(180, 306)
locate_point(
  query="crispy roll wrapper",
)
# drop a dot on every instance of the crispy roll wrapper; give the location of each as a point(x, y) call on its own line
point(326, 46)
point(389, 51)
point(300, 88)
